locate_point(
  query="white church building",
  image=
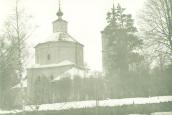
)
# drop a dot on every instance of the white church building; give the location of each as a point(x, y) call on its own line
point(61, 56)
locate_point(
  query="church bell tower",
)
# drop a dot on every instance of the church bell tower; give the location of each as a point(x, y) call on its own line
point(60, 25)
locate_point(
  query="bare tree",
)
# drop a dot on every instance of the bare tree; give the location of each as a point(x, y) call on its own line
point(157, 27)
point(18, 28)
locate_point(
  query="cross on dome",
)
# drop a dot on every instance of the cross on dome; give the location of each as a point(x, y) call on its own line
point(59, 13)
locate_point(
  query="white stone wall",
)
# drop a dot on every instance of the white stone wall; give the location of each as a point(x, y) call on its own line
point(49, 75)
point(58, 52)
point(43, 73)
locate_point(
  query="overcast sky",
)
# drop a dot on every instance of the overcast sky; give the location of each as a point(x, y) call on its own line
point(86, 18)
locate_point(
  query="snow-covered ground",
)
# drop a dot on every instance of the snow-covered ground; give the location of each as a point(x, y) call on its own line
point(2, 112)
point(157, 113)
point(94, 103)
point(162, 113)
point(101, 103)
point(137, 114)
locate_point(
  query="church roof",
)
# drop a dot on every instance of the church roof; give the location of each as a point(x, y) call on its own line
point(59, 31)
point(63, 63)
point(59, 36)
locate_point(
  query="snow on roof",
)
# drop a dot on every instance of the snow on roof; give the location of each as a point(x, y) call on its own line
point(24, 85)
point(59, 36)
point(63, 63)
point(70, 73)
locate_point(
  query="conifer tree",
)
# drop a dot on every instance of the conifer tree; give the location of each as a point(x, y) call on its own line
point(121, 51)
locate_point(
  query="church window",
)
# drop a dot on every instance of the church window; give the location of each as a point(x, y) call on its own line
point(48, 57)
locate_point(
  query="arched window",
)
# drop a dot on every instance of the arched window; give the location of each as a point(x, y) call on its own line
point(48, 57)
